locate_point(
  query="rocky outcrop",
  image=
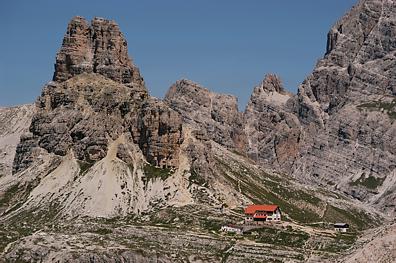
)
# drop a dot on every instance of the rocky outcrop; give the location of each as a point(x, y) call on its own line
point(273, 132)
point(215, 115)
point(85, 113)
point(98, 47)
point(100, 147)
point(346, 108)
point(98, 95)
point(159, 134)
point(338, 130)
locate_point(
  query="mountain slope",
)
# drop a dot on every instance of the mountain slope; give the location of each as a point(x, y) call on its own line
point(16, 121)
point(339, 130)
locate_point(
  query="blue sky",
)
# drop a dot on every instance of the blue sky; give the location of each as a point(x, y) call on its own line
point(225, 45)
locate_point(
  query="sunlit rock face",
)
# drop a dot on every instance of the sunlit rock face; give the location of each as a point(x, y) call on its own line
point(98, 95)
point(99, 47)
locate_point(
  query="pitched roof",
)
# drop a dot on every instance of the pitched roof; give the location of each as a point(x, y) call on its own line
point(251, 209)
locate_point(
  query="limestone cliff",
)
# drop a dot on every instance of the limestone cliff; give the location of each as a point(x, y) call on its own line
point(215, 115)
point(96, 96)
point(273, 133)
point(99, 47)
point(347, 107)
point(98, 144)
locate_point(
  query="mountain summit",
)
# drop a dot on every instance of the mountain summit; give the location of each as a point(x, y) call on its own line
point(99, 47)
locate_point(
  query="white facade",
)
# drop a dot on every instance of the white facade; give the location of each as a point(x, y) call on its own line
point(276, 216)
point(231, 229)
point(340, 229)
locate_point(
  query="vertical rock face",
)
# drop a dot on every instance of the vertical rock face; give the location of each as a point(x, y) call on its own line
point(273, 132)
point(214, 114)
point(340, 128)
point(347, 107)
point(96, 48)
point(359, 61)
point(160, 134)
point(98, 96)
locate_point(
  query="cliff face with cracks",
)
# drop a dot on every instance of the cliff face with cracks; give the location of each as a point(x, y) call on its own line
point(339, 130)
point(215, 115)
point(349, 106)
point(99, 47)
point(273, 132)
point(98, 95)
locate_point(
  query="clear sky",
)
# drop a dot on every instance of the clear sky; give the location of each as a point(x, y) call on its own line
point(225, 45)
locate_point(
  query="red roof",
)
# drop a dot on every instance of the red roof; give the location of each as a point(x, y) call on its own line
point(251, 209)
point(260, 216)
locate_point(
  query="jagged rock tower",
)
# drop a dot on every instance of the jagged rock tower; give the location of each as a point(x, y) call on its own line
point(97, 95)
point(98, 47)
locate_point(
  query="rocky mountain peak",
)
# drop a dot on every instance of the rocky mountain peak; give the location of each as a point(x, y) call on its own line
point(350, 34)
point(271, 83)
point(184, 87)
point(98, 47)
point(97, 97)
point(269, 92)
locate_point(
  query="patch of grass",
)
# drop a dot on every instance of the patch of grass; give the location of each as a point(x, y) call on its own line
point(152, 172)
point(290, 193)
point(196, 178)
point(211, 224)
point(274, 192)
point(357, 219)
point(370, 182)
point(340, 243)
point(130, 167)
point(8, 195)
point(281, 237)
point(389, 107)
point(102, 231)
point(84, 166)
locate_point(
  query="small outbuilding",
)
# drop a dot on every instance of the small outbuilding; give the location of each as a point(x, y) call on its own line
point(232, 229)
point(341, 227)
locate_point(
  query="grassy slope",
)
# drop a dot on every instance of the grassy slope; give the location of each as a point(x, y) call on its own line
point(302, 206)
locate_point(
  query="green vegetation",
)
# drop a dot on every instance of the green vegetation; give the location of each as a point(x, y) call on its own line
point(356, 219)
point(102, 231)
point(280, 237)
point(196, 178)
point(84, 166)
point(152, 172)
point(340, 243)
point(8, 195)
point(130, 167)
point(274, 192)
point(265, 188)
point(211, 224)
point(389, 107)
point(16, 195)
point(370, 182)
